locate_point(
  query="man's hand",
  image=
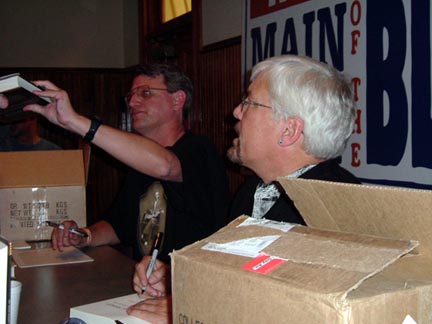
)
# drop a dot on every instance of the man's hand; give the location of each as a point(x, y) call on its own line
point(60, 110)
point(154, 310)
point(62, 238)
point(159, 282)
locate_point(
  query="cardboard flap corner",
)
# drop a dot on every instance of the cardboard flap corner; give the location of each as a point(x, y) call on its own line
point(391, 212)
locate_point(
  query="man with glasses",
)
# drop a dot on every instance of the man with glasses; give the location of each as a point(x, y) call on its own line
point(177, 189)
point(295, 120)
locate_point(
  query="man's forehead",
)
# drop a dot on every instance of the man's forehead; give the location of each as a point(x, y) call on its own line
point(257, 86)
point(142, 79)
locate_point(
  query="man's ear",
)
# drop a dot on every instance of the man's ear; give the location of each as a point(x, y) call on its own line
point(179, 99)
point(292, 130)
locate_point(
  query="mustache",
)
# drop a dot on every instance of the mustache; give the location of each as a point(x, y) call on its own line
point(237, 128)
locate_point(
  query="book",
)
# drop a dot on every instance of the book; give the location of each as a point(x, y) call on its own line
point(47, 257)
point(108, 311)
point(4, 280)
point(19, 93)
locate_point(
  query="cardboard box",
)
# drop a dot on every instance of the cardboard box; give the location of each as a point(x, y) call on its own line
point(36, 186)
point(313, 275)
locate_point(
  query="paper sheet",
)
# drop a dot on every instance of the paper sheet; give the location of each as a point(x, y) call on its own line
point(47, 256)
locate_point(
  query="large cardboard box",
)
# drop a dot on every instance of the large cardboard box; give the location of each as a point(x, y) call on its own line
point(363, 268)
point(36, 186)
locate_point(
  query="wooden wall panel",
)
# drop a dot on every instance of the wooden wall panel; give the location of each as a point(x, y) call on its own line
point(218, 92)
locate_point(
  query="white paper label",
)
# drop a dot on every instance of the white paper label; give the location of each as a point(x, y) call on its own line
point(250, 247)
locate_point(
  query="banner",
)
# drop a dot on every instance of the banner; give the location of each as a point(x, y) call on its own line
point(383, 46)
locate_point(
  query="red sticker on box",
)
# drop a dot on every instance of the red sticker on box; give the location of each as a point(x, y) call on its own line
point(263, 263)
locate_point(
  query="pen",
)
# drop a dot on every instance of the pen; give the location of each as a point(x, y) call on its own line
point(71, 230)
point(155, 250)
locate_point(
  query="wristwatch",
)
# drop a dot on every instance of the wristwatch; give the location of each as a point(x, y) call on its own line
point(95, 123)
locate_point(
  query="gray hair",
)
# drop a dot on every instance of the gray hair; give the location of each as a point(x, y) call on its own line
point(315, 92)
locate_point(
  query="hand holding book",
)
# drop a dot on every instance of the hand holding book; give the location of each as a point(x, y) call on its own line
point(15, 94)
point(19, 98)
point(59, 111)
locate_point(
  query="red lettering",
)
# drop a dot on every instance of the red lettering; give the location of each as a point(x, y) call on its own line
point(358, 129)
point(355, 12)
point(356, 82)
point(355, 16)
point(355, 35)
point(355, 161)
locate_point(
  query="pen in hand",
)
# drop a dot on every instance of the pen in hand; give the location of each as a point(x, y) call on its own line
point(71, 230)
point(155, 250)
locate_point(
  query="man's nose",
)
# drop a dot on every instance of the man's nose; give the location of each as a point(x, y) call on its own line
point(237, 112)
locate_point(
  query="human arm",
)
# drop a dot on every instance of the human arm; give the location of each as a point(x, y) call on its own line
point(100, 233)
point(158, 284)
point(154, 310)
point(138, 152)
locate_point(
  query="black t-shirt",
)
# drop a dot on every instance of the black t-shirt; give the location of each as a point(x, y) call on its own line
point(284, 209)
point(196, 207)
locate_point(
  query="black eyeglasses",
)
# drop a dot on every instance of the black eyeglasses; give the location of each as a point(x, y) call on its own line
point(142, 92)
point(245, 102)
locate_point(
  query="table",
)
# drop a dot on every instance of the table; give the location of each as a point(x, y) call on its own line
point(49, 292)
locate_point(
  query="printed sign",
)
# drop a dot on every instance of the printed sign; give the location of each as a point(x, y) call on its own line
point(384, 48)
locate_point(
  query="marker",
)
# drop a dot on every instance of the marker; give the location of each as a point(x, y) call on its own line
point(155, 250)
point(71, 230)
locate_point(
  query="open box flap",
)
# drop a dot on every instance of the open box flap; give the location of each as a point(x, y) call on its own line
point(41, 168)
point(397, 213)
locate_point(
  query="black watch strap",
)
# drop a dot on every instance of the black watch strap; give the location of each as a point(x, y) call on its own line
point(95, 123)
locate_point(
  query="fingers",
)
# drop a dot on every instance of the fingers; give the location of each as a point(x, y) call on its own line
point(155, 285)
point(61, 238)
point(140, 279)
point(60, 110)
point(155, 310)
point(45, 84)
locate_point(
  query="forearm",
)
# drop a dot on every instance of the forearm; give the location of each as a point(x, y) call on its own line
point(136, 151)
point(102, 233)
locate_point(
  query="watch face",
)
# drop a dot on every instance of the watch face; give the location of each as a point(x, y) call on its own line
point(152, 217)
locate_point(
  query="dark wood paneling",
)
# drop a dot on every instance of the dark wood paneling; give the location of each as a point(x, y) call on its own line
point(218, 92)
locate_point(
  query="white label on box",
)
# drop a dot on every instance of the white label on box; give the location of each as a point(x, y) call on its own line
point(249, 247)
point(284, 227)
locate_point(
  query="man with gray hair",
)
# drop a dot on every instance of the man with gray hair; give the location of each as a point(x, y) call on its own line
point(296, 118)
